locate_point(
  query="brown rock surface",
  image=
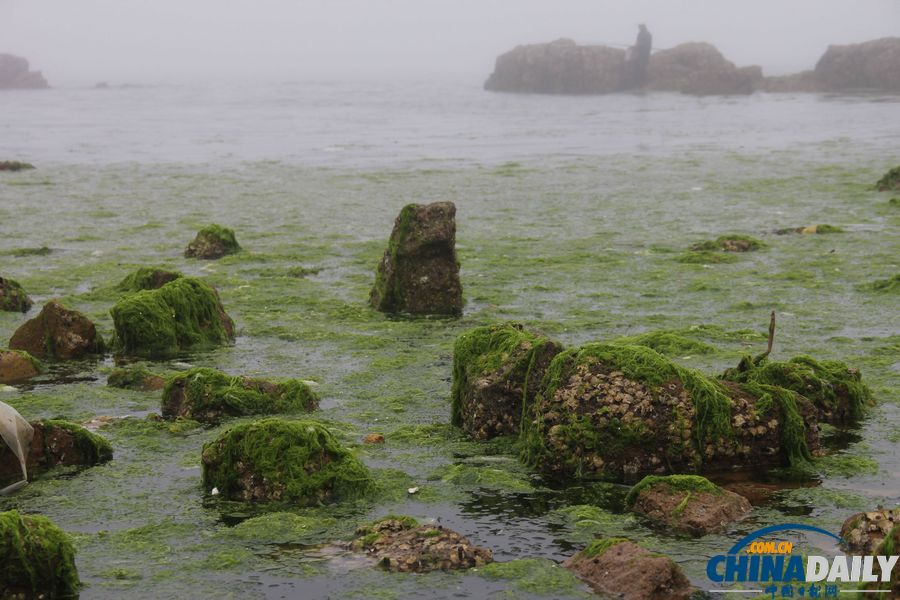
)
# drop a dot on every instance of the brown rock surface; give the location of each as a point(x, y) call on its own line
point(15, 74)
point(696, 512)
point(872, 65)
point(57, 332)
point(865, 531)
point(16, 366)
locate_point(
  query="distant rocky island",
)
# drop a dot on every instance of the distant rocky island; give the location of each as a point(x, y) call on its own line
point(15, 74)
point(564, 67)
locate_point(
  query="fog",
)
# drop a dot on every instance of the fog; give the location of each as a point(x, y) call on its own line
point(77, 42)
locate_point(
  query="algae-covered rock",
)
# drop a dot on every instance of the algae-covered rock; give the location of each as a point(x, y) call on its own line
point(401, 544)
point(213, 241)
point(888, 547)
point(891, 284)
point(18, 365)
point(729, 243)
point(136, 378)
point(147, 278)
point(686, 503)
point(836, 390)
point(820, 229)
point(15, 165)
point(890, 182)
point(58, 332)
point(864, 532)
point(208, 396)
point(37, 559)
point(497, 372)
point(618, 412)
point(12, 297)
point(55, 443)
point(419, 272)
point(182, 314)
point(298, 462)
point(622, 569)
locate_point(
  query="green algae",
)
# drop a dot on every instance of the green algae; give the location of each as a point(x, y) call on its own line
point(889, 285)
point(213, 238)
point(539, 576)
point(147, 278)
point(390, 298)
point(281, 528)
point(465, 475)
point(679, 483)
point(729, 243)
point(133, 378)
point(845, 465)
point(300, 462)
point(13, 297)
point(37, 558)
point(793, 427)
point(890, 181)
point(666, 343)
point(706, 257)
point(599, 547)
point(93, 448)
point(824, 228)
point(185, 313)
point(208, 395)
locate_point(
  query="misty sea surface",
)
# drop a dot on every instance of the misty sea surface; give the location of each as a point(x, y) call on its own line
point(573, 216)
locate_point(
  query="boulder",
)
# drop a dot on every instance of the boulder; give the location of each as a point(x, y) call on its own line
point(686, 503)
point(622, 569)
point(14, 165)
point(15, 74)
point(37, 558)
point(55, 443)
point(208, 396)
point(58, 332)
point(700, 69)
point(18, 365)
point(136, 378)
point(147, 278)
point(872, 65)
point(12, 297)
point(419, 272)
point(183, 314)
point(497, 371)
point(890, 182)
point(400, 544)
point(619, 412)
point(213, 241)
point(864, 532)
point(297, 462)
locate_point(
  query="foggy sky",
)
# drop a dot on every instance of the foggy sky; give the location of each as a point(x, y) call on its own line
point(79, 42)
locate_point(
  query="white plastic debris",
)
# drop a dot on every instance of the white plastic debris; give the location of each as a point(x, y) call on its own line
point(413, 490)
point(16, 433)
point(215, 491)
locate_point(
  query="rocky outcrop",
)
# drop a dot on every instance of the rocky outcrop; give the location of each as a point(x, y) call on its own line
point(17, 365)
point(686, 503)
point(419, 272)
point(15, 165)
point(38, 559)
point(497, 371)
point(12, 297)
point(872, 65)
point(15, 74)
point(208, 396)
point(400, 544)
point(618, 568)
point(213, 241)
point(865, 531)
point(890, 182)
point(700, 69)
point(58, 332)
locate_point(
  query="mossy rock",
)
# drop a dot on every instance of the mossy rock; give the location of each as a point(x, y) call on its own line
point(890, 285)
point(213, 241)
point(836, 390)
point(58, 332)
point(729, 243)
point(13, 297)
point(18, 365)
point(15, 165)
point(183, 314)
point(147, 278)
point(497, 372)
point(37, 559)
point(296, 462)
point(821, 229)
point(208, 396)
point(890, 182)
point(136, 378)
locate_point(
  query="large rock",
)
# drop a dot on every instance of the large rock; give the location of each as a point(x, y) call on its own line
point(699, 68)
point(864, 532)
point(37, 559)
point(872, 65)
point(58, 332)
point(890, 182)
point(14, 74)
point(298, 462)
point(419, 272)
point(208, 396)
point(213, 241)
point(686, 503)
point(400, 544)
point(497, 371)
point(12, 297)
point(17, 365)
point(621, 569)
point(183, 314)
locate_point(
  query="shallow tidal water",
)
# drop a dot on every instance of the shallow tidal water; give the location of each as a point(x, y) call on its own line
point(572, 214)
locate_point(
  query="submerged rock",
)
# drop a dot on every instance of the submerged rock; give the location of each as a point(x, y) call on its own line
point(12, 297)
point(686, 503)
point(890, 182)
point(213, 241)
point(864, 532)
point(400, 544)
point(182, 314)
point(14, 165)
point(15, 74)
point(37, 558)
point(18, 365)
point(136, 378)
point(208, 396)
point(55, 443)
point(419, 272)
point(622, 569)
point(297, 462)
point(58, 332)
point(872, 65)
point(147, 278)
point(497, 371)
point(729, 243)
point(619, 412)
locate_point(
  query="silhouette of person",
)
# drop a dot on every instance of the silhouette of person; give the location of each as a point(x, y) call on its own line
point(638, 61)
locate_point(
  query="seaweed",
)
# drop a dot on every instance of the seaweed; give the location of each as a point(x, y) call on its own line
point(666, 343)
point(680, 483)
point(600, 546)
point(890, 181)
point(729, 243)
point(37, 559)
point(147, 278)
point(13, 297)
point(213, 241)
point(93, 449)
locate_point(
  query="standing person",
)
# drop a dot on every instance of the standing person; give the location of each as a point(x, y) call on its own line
point(638, 61)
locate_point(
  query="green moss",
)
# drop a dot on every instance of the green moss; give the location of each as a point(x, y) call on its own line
point(706, 257)
point(484, 349)
point(147, 278)
point(300, 459)
point(13, 297)
point(826, 229)
point(598, 547)
point(221, 238)
point(384, 296)
point(484, 477)
point(37, 558)
point(666, 343)
point(729, 243)
point(890, 181)
point(93, 448)
point(539, 576)
point(679, 483)
point(793, 427)
point(210, 394)
point(185, 313)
